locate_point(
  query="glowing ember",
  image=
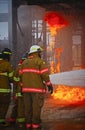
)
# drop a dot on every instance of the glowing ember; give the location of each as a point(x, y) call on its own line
point(55, 21)
point(69, 94)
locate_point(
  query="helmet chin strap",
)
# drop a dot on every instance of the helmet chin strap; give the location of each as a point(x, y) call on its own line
point(39, 54)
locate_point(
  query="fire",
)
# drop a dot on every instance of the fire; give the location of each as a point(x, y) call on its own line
point(66, 94)
point(69, 94)
point(58, 54)
point(55, 21)
point(52, 68)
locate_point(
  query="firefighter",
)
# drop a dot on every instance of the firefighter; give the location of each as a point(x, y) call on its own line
point(35, 77)
point(6, 75)
point(18, 110)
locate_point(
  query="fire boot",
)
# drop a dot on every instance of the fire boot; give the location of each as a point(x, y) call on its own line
point(36, 127)
point(12, 120)
point(28, 126)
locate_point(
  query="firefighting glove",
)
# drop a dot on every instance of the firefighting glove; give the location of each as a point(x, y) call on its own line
point(50, 88)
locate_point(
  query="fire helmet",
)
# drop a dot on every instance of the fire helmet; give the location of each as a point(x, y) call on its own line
point(35, 48)
point(6, 51)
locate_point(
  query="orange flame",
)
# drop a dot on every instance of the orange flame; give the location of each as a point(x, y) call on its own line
point(66, 94)
point(58, 54)
point(52, 68)
point(55, 21)
point(69, 94)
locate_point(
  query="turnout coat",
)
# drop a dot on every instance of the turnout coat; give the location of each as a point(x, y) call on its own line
point(34, 74)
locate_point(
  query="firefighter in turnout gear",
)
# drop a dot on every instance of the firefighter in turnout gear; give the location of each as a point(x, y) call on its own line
point(19, 106)
point(6, 75)
point(35, 77)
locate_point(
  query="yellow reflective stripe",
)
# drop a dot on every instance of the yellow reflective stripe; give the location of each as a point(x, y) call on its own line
point(18, 94)
point(10, 74)
point(5, 73)
point(7, 52)
point(20, 119)
point(5, 90)
point(16, 79)
point(2, 120)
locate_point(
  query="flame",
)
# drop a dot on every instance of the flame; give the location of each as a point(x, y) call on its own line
point(52, 68)
point(69, 94)
point(66, 94)
point(55, 21)
point(58, 54)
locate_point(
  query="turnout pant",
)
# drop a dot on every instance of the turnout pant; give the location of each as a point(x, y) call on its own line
point(4, 104)
point(33, 104)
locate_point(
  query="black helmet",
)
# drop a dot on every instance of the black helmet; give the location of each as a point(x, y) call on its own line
point(6, 53)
